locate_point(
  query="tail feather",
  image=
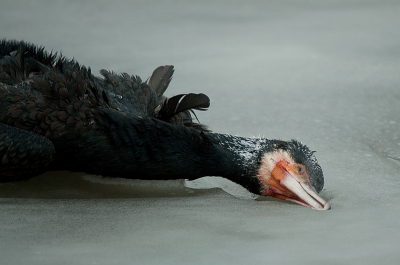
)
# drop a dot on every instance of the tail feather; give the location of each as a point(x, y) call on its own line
point(177, 109)
point(181, 103)
point(160, 80)
point(193, 101)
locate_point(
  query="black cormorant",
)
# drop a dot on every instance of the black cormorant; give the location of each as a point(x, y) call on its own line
point(54, 114)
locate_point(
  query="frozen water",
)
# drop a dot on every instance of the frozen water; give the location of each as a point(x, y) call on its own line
point(323, 72)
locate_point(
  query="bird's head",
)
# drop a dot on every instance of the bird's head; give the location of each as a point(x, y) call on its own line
point(290, 171)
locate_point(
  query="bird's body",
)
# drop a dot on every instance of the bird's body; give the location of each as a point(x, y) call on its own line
point(54, 114)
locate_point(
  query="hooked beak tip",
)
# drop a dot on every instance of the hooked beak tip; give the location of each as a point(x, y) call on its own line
point(315, 206)
point(324, 207)
point(287, 185)
point(305, 194)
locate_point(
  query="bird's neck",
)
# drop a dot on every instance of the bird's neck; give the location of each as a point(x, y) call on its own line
point(144, 148)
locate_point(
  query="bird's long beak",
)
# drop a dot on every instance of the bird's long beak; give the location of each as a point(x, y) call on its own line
point(291, 182)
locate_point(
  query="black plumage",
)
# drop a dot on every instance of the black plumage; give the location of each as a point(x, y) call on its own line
point(23, 154)
point(54, 114)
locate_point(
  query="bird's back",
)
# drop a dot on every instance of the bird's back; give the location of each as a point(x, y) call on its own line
point(51, 96)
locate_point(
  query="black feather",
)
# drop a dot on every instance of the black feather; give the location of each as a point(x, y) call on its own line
point(180, 103)
point(193, 101)
point(169, 106)
point(161, 78)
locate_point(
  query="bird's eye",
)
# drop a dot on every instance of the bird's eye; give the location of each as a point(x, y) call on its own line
point(300, 169)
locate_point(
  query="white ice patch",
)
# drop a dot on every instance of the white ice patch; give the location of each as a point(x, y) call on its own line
point(222, 183)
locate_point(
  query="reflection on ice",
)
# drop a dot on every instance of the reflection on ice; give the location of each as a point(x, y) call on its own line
point(66, 185)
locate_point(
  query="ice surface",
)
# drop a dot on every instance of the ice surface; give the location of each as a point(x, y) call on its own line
point(323, 72)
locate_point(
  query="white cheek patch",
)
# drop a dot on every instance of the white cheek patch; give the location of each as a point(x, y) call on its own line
point(268, 163)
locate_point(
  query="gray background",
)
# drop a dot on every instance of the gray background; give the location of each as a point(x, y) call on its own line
point(323, 72)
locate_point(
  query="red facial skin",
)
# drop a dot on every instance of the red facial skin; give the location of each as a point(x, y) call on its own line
point(289, 181)
point(275, 189)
